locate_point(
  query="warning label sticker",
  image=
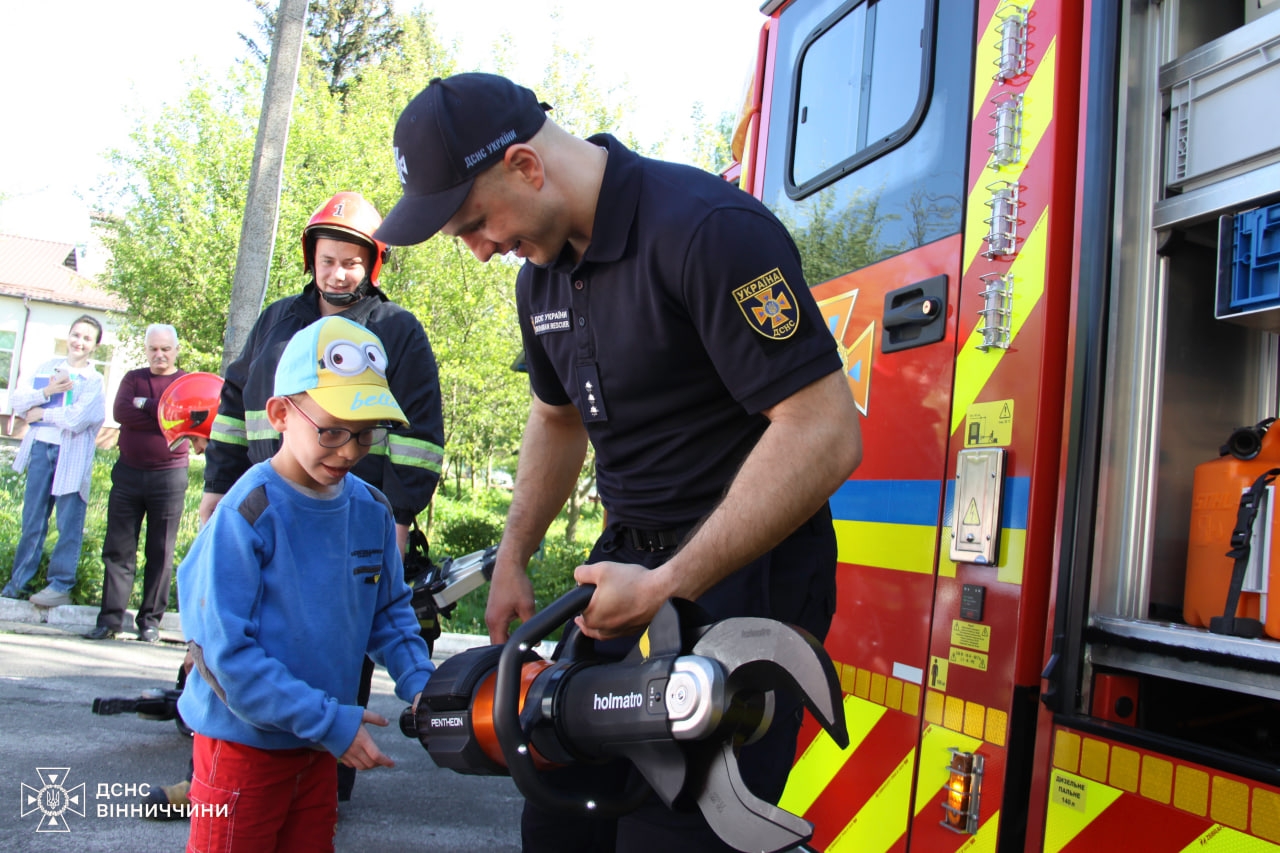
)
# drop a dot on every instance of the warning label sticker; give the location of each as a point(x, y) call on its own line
point(971, 635)
point(964, 657)
point(989, 424)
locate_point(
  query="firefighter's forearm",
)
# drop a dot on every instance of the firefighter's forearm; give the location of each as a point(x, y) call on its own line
point(551, 455)
point(810, 448)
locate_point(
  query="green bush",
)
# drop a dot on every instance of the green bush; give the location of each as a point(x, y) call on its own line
point(469, 520)
point(462, 529)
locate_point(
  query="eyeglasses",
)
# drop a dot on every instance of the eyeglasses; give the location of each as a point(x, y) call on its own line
point(332, 437)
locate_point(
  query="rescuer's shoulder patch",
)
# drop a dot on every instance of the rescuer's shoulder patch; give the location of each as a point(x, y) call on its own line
point(769, 305)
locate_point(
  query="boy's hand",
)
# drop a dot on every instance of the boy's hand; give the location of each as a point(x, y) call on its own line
point(363, 754)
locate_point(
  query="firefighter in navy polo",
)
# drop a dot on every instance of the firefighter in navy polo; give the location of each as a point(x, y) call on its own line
point(666, 320)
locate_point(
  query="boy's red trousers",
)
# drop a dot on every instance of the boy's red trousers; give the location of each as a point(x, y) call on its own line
point(275, 799)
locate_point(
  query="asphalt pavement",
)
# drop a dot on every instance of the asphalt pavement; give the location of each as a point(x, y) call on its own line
point(49, 738)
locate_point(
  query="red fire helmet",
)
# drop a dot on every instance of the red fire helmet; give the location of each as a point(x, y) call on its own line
point(188, 407)
point(348, 217)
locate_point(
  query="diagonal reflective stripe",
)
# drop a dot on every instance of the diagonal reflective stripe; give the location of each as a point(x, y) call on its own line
point(880, 824)
point(935, 759)
point(1064, 823)
point(822, 759)
point(989, 47)
point(974, 366)
point(1037, 112)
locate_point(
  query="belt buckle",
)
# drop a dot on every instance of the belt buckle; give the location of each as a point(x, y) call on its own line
point(643, 540)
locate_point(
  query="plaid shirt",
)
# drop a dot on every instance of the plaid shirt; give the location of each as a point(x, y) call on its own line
point(73, 428)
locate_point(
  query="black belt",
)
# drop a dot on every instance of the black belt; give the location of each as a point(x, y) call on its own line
point(653, 540)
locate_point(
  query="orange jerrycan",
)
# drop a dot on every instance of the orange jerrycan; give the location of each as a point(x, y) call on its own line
point(1220, 484)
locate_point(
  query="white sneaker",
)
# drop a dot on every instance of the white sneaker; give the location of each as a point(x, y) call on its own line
point(50, 597)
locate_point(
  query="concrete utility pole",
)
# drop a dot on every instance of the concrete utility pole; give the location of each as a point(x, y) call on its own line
point(262, 208)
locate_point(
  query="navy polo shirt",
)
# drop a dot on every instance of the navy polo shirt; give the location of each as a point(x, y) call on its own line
point(687, 317)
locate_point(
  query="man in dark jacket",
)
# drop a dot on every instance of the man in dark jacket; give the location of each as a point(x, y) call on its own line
point(339, 251)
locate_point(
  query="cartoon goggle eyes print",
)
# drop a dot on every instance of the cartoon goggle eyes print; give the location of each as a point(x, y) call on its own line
point(347, 358)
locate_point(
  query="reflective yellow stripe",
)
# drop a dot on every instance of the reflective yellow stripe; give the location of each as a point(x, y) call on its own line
point(1010, 561)
point(822, 759)
point(988, 43)
point(1064, 823)
point(973, 366)
point(934, 761)
point(904, 547)
point(414, 452)
point(228, 430)
point(879, 824)
point(1037, 111)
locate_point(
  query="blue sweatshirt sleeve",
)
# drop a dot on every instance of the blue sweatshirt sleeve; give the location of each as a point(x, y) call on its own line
point(396, 641)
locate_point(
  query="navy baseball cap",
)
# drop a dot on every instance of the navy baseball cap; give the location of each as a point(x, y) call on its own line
point(452, 131)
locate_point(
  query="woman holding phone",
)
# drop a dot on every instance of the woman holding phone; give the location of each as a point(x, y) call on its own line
point(64, 409)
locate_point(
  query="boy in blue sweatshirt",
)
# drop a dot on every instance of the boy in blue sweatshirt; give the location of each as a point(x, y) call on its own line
point(293, 580)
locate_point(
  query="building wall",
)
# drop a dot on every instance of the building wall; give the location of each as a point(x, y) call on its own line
point(40, 328)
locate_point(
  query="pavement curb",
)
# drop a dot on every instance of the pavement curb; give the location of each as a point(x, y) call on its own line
point(17, 615)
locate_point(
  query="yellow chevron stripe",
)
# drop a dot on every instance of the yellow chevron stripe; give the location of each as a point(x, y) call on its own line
point(934, 761)
point(988, 43)
point(1224, 839)
point(904, 547)
point(1063, 822)
point(822, 759)
point(883, 819)
point(975, 367)
point(1010, 560)
point(1037, 112)
point(985, 839)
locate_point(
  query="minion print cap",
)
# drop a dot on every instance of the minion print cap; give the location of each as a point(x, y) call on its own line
point(343, 367)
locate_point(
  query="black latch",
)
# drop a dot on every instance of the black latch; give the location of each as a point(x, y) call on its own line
point(915, 315)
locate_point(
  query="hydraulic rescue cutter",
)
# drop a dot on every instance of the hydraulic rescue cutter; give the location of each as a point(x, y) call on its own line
point(678, 706)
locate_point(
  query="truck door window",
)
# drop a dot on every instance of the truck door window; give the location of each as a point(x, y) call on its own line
point(860, 90)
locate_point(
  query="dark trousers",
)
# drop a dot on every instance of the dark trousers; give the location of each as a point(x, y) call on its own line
point(159, 497)
point(794, 583)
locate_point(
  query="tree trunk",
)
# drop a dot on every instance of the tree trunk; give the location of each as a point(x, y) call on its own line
point(262, 207)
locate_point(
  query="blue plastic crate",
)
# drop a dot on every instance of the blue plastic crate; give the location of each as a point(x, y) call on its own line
point(1255, 264)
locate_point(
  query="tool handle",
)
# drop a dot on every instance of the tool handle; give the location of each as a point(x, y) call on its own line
point(512, 737)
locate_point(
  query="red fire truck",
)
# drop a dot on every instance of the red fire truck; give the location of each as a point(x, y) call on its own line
point(1046, 235)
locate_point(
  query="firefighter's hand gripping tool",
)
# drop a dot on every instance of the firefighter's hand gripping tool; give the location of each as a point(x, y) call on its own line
point(678, 707)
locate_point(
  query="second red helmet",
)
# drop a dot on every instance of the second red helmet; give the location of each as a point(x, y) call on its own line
point(188, 406)
point(348, 217)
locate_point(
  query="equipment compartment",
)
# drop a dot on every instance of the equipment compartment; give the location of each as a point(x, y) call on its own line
point(1222, 95)
point(1249, 269)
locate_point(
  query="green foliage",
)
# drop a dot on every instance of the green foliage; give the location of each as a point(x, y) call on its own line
point(465, 516)
point(465, 521)
point(461, 528)
point(88, 588)
point(182, 186)
point(831, 243)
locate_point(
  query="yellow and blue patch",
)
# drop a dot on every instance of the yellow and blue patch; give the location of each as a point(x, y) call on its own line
point(769, 305)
